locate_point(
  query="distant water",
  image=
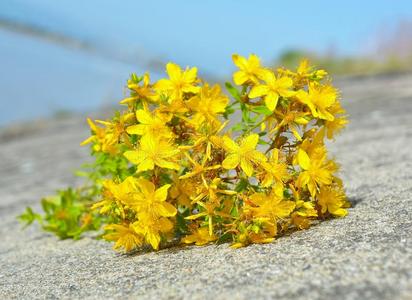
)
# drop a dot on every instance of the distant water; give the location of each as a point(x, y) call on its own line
point(38, 79)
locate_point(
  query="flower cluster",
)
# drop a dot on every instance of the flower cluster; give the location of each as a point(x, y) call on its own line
point(192, 165)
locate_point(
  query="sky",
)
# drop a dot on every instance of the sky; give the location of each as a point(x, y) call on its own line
point(201, 33)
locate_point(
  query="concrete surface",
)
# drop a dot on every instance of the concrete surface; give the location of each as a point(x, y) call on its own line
point(367, 255)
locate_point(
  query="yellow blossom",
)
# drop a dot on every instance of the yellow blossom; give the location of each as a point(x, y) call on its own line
point(115, 195)
point(152, 229)
point(332, 200)
point(198, 169)
point(124, 236)
point(249, 69)
point(274, 171)
point(144, 92)
point(272, 89)
point(244, 154)
point(319, 98)
point(150, 202)
point(315, 172)
point(209, 211)
point(271, 206)
point(153, 125)
point(101, 138)
point(179, 82)
point(153, 151)
point(182, 190)
point(200, 237)
point(208, 104)
point(211, 191)
point(339, 122)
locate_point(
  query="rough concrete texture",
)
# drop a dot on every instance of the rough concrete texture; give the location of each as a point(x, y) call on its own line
point(367, 255)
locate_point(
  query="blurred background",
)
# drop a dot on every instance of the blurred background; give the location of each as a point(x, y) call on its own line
point(62, 57)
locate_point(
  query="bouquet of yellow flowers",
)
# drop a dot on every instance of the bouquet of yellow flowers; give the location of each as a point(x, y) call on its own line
point(185, 163)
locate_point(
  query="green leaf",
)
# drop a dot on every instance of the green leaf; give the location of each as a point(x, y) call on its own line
point(28, 217)
point(245, 112)
point(242, 185)
point(239, 127)
point(233, 91)
point(224, 238)
point(262, 109)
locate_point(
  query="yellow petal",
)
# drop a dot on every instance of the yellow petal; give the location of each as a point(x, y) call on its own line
point(147, 164)
point(135, 157)
point(174, 71)
point(246, 166)
point(190, 75)
point(165, 225)
point(161, 193)
point(271, 100)
point(231, 161)
point(128, 100)
point(229, 145)
point(254, 61)
point(144, 116)
point(240, 77)
point(147, 187)
point(153, 239)
point(135, 129)
point(166, 209)
point(88, 140)
point(341, 212)
point(167, 164)
point(163, 85)
point(258, 91)
point(303, 159)
point(146, 79)
point(250, 142)
point(239, 61)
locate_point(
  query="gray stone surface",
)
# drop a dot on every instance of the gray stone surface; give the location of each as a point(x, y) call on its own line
point(367, 255)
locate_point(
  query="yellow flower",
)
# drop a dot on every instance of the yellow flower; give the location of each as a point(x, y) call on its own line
point(179, 82)
point(303, 208)
point(339, 122)
point(207, 104)
point(149, 202)
point(124, 236)
point(293, 120)
point(206, 139)
point(198, 169)
point(249, 69)
point(153, 151)
point(200, 237)
point(319, 98)
point(150, 125)
point(274, 171)
point(182, 190)
point(332, 200)
point(246, 155)
point(211, 191)
point(271, 206)
point(101, 138)
point(315, 172)
point(152, 229)
point(144, 92)
point(306, 72)
point(209, 212)
point(273, 89)
point(115, 195)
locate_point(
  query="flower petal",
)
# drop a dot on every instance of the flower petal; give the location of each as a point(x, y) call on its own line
point(246, 166)
point(231, 161)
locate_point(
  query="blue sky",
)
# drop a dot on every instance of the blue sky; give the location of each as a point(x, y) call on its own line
point(205, 33)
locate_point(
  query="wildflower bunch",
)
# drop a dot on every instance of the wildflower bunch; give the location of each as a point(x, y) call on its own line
point(185, 163)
